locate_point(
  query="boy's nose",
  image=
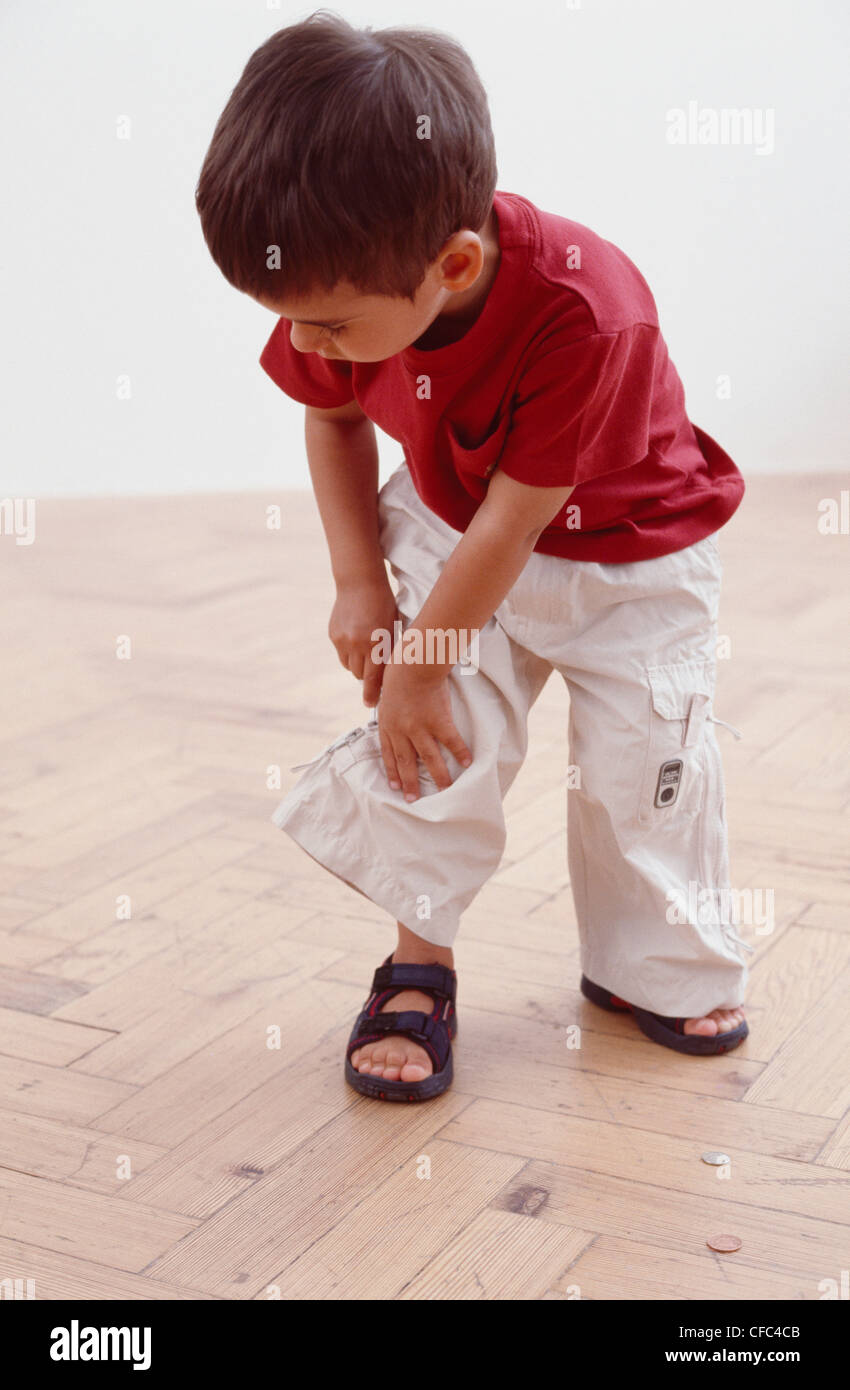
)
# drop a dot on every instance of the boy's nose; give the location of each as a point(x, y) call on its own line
point(304, 339)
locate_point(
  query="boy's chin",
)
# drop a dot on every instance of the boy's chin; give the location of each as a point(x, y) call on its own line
point(354, 361)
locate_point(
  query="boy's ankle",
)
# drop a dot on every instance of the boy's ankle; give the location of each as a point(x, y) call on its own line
point(415, 950)
point(405, 958)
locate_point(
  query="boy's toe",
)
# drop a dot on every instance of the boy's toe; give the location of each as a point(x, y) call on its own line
point(413, 1071)
point(706, 1027)
point(701, 1027)
point(393, 1061)
point(731, 1019)
point(718, 1021)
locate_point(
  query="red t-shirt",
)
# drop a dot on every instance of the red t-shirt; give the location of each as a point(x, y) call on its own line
point(564, 378)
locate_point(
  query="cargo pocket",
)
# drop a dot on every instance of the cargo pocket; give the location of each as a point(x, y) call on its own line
point(673, 784)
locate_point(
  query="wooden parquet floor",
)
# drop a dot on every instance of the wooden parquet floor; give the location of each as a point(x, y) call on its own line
point(156, 929)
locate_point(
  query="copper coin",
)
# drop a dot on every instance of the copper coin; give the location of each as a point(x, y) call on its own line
point(725, 1244)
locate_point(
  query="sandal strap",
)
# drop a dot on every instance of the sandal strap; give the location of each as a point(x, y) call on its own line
point(675, 1025)
point(407, 1021)
point(429, 1030)
point(430, 979)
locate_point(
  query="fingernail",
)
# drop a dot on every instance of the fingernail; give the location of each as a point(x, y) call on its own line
point(464, 762)
point(409, 796)
point(396, 786)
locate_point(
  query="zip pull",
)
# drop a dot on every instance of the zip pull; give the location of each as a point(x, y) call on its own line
point(337, 743)
point(730, 727)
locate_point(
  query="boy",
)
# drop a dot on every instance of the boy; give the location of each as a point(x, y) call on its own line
point(555, 502)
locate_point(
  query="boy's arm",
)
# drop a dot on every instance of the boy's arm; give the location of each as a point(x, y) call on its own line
point(415, 712)
point(489, 558)
point(342, 453)
point(343, 456)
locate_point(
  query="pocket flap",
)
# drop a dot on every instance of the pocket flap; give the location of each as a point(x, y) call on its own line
point(673, 687)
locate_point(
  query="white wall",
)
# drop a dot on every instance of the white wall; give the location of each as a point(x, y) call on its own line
point(104, 270)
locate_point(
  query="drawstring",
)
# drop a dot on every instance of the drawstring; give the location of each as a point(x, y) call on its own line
point(730, 931)
point(730, 727)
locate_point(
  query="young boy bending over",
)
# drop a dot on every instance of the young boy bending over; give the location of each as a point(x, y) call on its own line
point(555, 510)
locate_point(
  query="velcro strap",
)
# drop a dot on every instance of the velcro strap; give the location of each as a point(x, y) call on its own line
point(408, 1021)
point(430, 979)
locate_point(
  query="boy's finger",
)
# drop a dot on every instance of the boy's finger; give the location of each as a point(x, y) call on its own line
point(429, 752)
point(373, 675)
point(348, 660)
point(389, 761)
point(406, 762)
point(451, 739)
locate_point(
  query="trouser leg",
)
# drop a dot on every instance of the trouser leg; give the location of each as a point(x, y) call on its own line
point(647, 844)
point(422, 861)
point(649, 890)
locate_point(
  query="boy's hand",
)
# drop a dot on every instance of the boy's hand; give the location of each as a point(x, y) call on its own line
point(359, 609)
point(414, 718)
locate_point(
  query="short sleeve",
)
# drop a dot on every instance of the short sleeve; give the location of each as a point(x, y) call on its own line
point(582, 409)
point(305, 376)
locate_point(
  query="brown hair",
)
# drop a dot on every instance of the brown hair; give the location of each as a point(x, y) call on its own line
point(319, 152)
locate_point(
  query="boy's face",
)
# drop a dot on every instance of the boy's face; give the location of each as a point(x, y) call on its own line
point(344, 325)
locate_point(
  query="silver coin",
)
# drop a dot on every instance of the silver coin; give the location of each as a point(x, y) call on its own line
point(716, 1159)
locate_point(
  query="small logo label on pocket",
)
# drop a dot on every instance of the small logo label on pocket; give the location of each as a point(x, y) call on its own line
point(669, 779)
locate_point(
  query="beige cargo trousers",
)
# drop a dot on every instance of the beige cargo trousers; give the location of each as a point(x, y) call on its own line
point(646, 829)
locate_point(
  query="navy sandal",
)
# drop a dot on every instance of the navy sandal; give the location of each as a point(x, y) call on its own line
point(433, 1031)
point(667, 1031)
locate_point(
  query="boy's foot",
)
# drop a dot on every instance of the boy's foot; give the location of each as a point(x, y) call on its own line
point(718, 1021)
point(409, 1058)
point(716, 1032)
point(397, 1058)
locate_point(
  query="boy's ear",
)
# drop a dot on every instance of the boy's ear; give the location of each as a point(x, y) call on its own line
point(460, 260)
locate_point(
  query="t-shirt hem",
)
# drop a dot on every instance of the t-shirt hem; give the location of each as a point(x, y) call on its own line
point(646, 540)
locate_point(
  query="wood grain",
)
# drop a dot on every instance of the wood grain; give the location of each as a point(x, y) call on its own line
point(178, 979)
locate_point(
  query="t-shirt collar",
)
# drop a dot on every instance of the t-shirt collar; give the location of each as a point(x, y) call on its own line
point(515, 235)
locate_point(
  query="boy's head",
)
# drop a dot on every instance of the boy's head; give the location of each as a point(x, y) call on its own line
point(347, 181)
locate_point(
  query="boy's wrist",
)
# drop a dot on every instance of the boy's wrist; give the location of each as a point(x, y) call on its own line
point(418, 674)
point(425, 657)
point(363, 575)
